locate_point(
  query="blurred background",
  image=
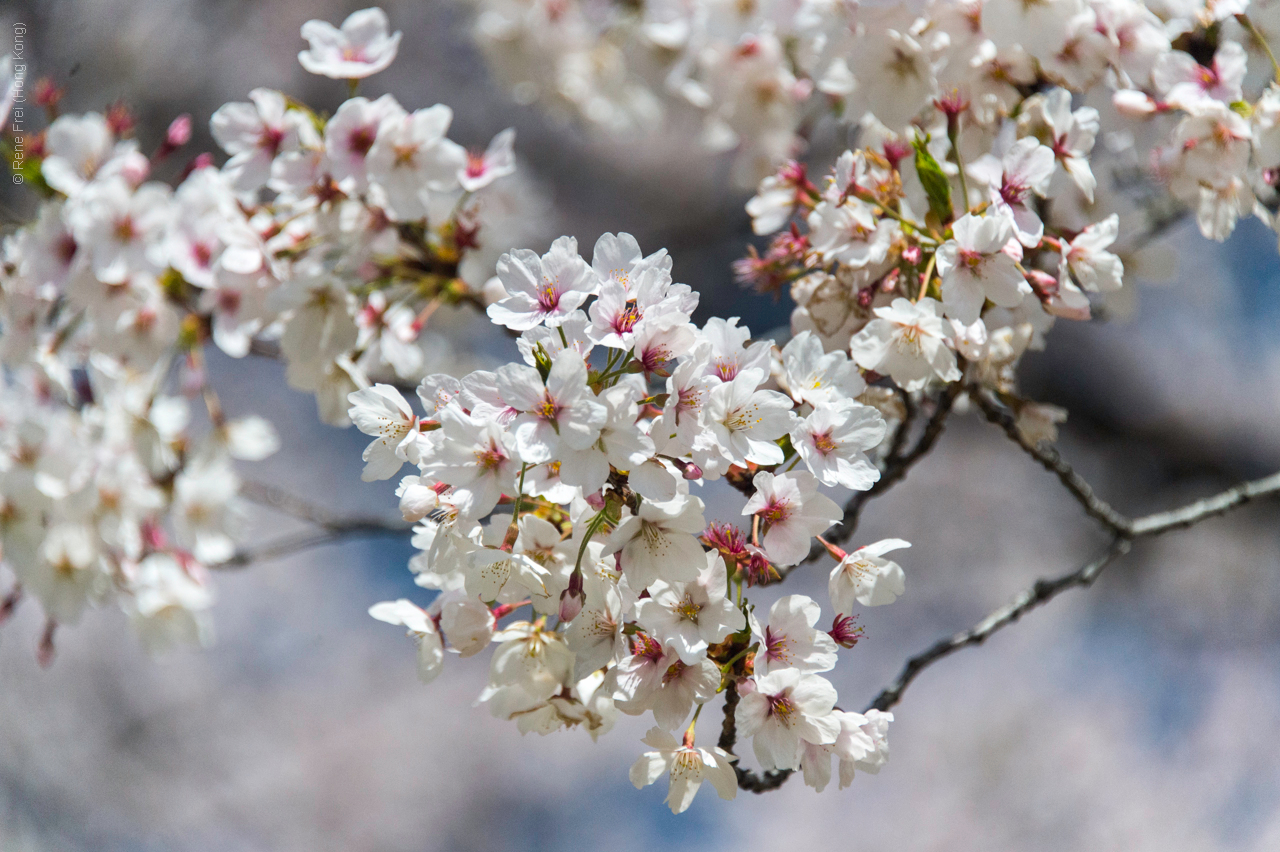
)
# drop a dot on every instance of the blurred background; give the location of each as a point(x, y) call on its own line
point(1141, 714)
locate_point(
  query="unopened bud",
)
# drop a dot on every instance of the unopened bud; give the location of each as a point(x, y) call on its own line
point(153, 536)
point(47, 93)
point(135, 168)
point(542, 361)
point(503, 610)
point(119, 119)
point(836, 552)
point(1134, 103)
point(572, 598)
point(865, 297)
point(179, 132)
point(202, 161)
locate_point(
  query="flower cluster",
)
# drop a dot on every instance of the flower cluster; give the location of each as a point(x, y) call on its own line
point(329, 242)
point(556, 492)
point(1010, 154)
point(881, 264)
point(762, 75)
point(370, 222)
point(106, 494)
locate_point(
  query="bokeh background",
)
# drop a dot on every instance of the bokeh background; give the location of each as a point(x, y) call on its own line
point(1143, 714)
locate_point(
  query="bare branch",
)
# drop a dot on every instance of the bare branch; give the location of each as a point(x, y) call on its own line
point(1040, 593)
point(282, 501)
point(1123, 529)
point(333, 528)
point(1099, 509)
point(1209, 507)
point(1045, 590)
point(286, 545)
point(1094, 506)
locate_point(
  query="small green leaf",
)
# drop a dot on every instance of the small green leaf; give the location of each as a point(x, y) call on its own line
point(542, 361)
point(935, 182)
point(1242, 108)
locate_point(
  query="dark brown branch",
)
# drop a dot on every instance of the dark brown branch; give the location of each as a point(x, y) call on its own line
point(1045, 590)
point(1209, 507)
point(1094, 506)
point(748, 780)
point(1040, 593)
point(333, 528)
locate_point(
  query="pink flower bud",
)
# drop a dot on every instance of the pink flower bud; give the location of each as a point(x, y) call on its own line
point(572, 598)
point(120, 119)
point(895, 151)
point(179, 132)
point(570, 605)
point(201, 161)
point(1134, 104)
point(47, 93)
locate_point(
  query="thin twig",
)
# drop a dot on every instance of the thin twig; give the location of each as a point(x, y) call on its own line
point(1209, 507)
point(282, 501)
point(332, 527)
point(1040, 593)
point(1248, 24)
point(1044, 590)
point(1094, 506)
point(286, 545)
point(1124, 531)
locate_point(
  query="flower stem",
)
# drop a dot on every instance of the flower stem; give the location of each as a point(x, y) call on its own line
point(1253, 30)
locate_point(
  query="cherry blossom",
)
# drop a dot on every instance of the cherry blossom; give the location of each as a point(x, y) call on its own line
point(782, 711)
point(563, 411)
point(791, 513)
point(689, 617)
point(542, 290)
point(1008, 156)
point(361, 47)
point(659, 542)
point(382, 412)
point(866, 576)
point(421, 629)
point(907, 341)
point(498, 160)
point(789, 639)
point(687, 766)
point(834, 442)
point(746, 420)
point(974, 267)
